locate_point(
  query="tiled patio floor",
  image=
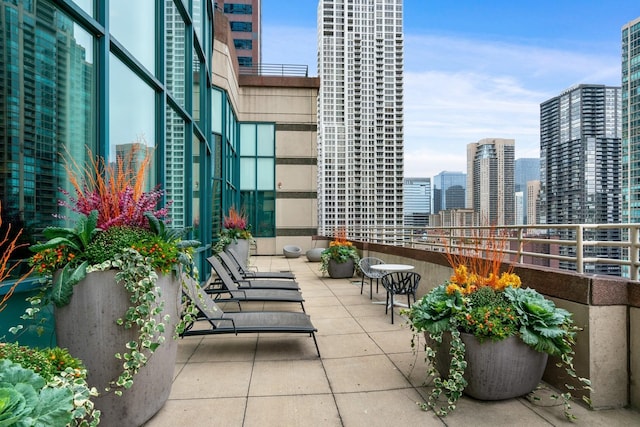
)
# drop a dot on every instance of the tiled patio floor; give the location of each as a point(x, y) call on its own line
point(367, 375)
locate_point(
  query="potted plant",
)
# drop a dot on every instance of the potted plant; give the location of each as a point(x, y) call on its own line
point(235, 235)
point(38, 387)
point(44, 387)
point(486, 335)
point(114, 282)
point(340, 259)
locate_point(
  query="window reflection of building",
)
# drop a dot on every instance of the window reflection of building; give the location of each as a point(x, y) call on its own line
point(89, 83)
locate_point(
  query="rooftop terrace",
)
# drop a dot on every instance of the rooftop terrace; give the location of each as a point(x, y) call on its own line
point(367, 375)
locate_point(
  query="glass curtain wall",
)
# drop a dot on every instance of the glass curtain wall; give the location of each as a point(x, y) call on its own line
point(75, 83)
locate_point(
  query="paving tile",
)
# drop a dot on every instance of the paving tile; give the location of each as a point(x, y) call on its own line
point(396, 341)
point(366, 373)
point(208, 380)
point(347, 345)
point(413, 367)
point(384, 408)
point(225, 349)
point(503, 413)
point(337, 326)
point(288, 377)
point(285, 347)
point(200, 412)
point(323, 301)
point(328, 312)
point(292, 411)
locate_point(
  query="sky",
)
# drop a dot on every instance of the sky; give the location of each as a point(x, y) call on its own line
point(475, 69)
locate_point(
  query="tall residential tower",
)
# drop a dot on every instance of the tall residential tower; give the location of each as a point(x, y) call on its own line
point(246, 29)
point(360, 114)
point(631, 121)
point(580, 146)
point(490, 175)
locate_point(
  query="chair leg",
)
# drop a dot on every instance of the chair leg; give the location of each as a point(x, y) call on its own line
point(386, 306)
point(370, 288)
point(362, 284)
point(392, 308)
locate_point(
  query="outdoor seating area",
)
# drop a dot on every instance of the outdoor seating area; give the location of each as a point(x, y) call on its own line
point(367, 374)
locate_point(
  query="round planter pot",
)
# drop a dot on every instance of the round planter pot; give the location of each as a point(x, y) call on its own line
point(313, 255)
point(87, 327)
point(241, 247)
point(496, 370)
point(341, 270)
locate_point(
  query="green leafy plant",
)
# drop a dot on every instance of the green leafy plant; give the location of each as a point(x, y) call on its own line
point(44, 387)
point(340, 250)
point(491, 305)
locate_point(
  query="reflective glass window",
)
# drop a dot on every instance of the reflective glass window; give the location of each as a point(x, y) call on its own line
point(47, 110)
point(131, 113)
point(132, 23)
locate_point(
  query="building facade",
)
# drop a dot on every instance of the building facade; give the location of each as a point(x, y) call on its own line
point(449, 191)
point(631, 121)
point(417, 201)
point(490, 180)
point(580, 156)
point(526, 169)
point(245, 21)
point(360, 114)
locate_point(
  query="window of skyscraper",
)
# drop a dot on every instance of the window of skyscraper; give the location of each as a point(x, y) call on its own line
point(238, 9)
point(243, 43)
point(245, 27)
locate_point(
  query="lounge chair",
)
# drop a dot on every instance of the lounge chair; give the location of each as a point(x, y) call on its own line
point(219, 269)
point(229, 288)
point(232, 258)
point(240, 322)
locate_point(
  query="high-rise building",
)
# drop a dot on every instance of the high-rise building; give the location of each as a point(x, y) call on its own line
point(360, 114)
point(580, 147)
point(449, 191)
point(246, 29)
point(490, 175)
point(526, 170)
point(417, 201)
point(630, 122)
point(533, 191)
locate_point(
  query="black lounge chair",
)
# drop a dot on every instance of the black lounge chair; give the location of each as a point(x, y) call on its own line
point(240, 322)
point(229, 291)
point(219, 269)
point(231, 261)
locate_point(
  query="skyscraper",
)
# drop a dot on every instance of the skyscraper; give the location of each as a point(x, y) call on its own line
point(246, 29)
point(580, 146)
point(490, 192)
point(417, 201)
point(525, 170)
point(630, 122)
point(449, 191)
point(360, 114)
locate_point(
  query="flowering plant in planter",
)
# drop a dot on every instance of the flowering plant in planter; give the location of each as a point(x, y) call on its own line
point(491, 305)
point(340, 250)
point(234, 226)
point(119, 227)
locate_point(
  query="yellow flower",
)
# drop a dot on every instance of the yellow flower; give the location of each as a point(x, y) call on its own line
point(452, 288)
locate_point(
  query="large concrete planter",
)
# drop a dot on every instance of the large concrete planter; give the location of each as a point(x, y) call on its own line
point(241, 247)
point(87, 327)
point(496, 370)
point(340, 270)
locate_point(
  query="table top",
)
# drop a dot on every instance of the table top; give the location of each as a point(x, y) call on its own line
point(392, 267)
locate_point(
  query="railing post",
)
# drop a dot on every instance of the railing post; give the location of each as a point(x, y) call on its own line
point(579, 249)
point(634, 252)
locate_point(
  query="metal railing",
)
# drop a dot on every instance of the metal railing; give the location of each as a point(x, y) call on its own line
point(612, 249)
point(275, 70)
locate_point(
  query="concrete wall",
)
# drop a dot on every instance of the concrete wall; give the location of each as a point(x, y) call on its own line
point(606, 308)
point(290, 103)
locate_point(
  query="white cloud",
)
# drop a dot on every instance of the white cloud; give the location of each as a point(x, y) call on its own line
point(459, 91)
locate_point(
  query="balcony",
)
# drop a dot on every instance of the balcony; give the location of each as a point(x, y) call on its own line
point(367, 374)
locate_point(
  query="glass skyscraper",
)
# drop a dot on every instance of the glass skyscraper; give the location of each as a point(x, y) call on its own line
point(449, 191)
point(417, 201)
point(580, 145)
point(525, 170)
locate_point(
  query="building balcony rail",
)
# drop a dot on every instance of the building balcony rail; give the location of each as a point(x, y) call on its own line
point(275, 70)
point(612, 249)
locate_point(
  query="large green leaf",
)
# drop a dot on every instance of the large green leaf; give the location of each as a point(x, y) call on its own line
point(65, 281)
